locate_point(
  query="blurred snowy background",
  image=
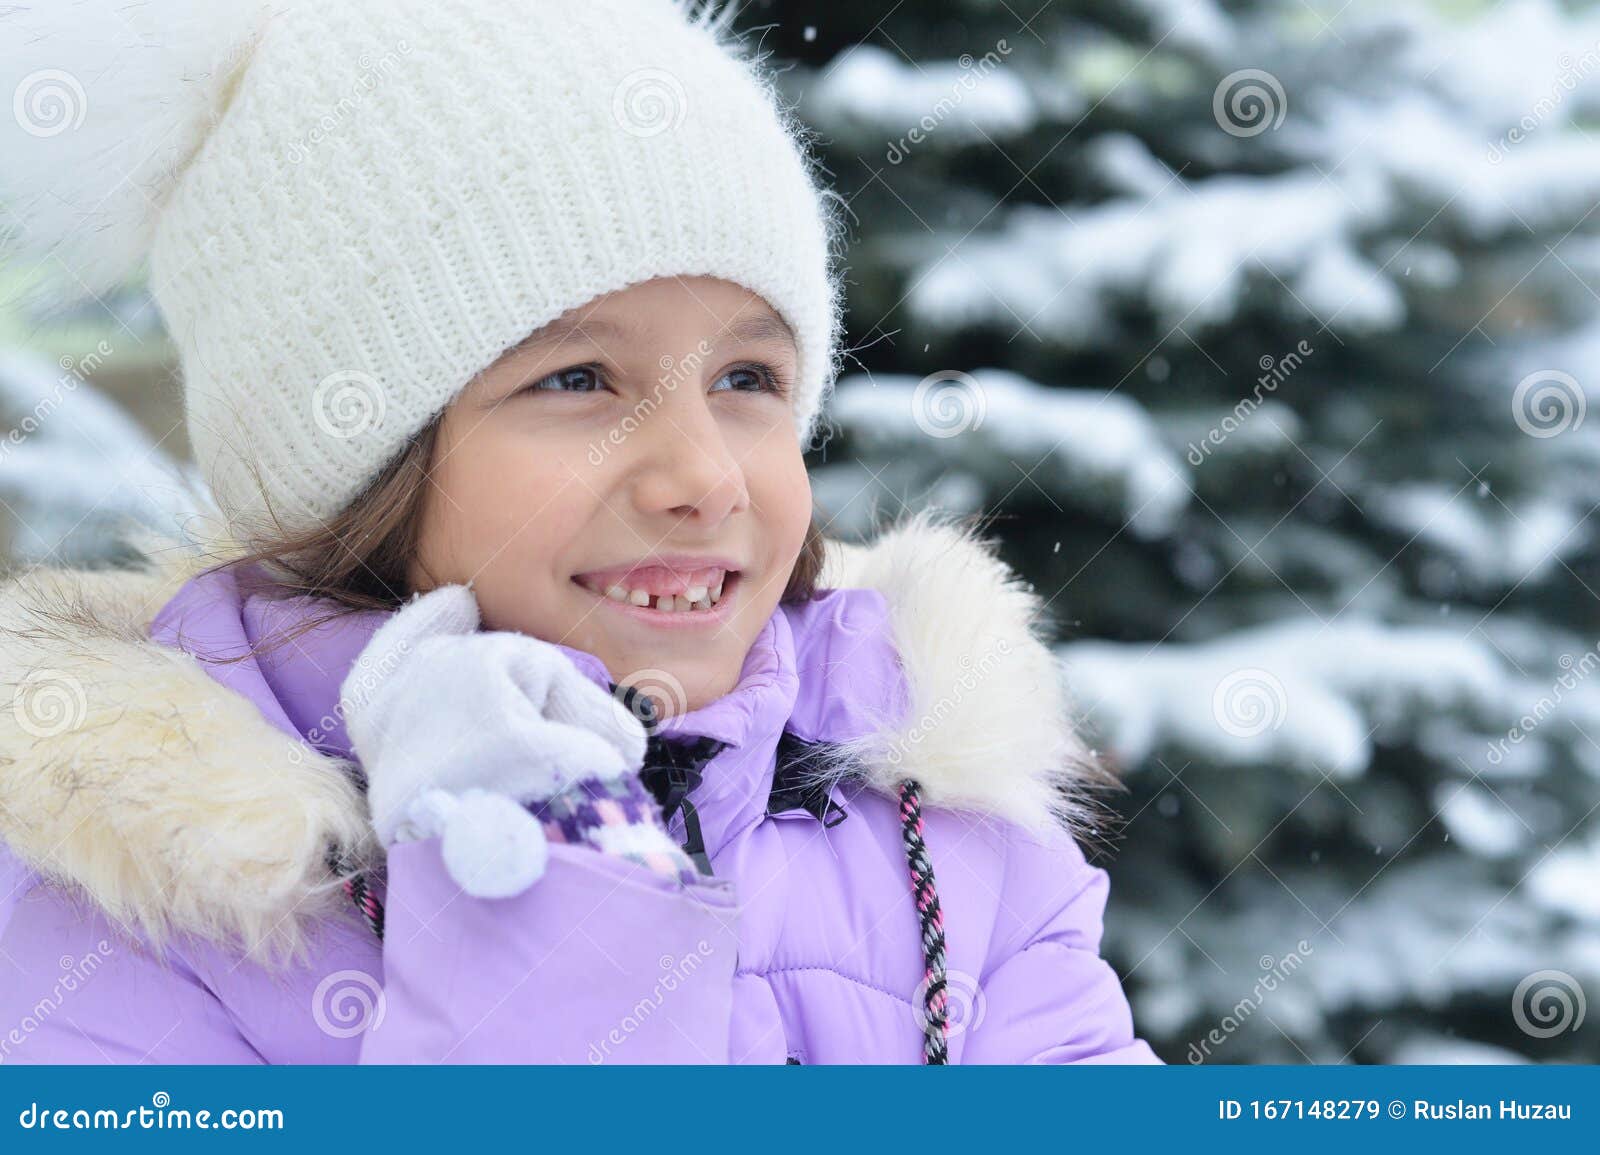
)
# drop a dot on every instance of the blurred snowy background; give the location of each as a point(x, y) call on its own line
point(1263, 335)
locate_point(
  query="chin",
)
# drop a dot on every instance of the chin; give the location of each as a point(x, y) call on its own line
point(680, 686)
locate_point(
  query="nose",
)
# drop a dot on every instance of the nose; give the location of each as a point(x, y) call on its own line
point(687, 468)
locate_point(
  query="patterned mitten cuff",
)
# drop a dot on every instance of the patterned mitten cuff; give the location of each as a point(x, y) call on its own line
point(616, 816)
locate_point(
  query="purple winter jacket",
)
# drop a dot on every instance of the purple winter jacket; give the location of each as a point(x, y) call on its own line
point(139, 923)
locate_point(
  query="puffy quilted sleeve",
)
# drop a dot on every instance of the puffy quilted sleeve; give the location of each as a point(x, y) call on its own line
point(600, 961)
point(1048, 995)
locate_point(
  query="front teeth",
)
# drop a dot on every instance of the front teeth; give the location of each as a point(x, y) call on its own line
point(693, 598)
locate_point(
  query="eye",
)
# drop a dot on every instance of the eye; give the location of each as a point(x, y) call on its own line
point(753, 378)
point(577, 379)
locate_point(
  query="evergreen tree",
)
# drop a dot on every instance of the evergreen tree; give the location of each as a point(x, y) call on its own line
point(1258, 333)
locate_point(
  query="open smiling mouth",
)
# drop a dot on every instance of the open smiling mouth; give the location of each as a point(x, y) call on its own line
point(663, 596)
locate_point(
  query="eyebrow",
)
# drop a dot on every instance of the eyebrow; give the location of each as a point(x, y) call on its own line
point(752, 330)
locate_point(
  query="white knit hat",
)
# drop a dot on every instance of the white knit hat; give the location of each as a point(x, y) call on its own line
point(351, 207)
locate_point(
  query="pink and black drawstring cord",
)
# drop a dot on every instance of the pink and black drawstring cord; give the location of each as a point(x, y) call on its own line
point(671, 771)
point(366, 902)
point(935, 994)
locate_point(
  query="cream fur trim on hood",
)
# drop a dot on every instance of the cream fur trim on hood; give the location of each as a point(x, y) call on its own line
point(130, 775)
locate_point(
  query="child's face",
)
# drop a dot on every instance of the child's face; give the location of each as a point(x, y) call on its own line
point(643, 426)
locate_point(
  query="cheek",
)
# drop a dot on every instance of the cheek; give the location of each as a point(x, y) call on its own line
point(780, 487)
point(780, 514)
point(500, 502)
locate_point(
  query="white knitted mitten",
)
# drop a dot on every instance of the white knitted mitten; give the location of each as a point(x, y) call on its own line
point(457, 730)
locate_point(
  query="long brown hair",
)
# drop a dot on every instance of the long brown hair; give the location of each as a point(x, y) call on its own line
point(361, 558)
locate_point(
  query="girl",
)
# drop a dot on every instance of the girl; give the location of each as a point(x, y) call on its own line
point(522, 713)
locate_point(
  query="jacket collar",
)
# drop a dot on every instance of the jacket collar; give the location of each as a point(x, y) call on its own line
point(170, 798)
point(267, 649)
point(295, 679)
point(764, 691)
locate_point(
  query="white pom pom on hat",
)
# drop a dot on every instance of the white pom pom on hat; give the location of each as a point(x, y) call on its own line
point(352, 207)
point(108, 100)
